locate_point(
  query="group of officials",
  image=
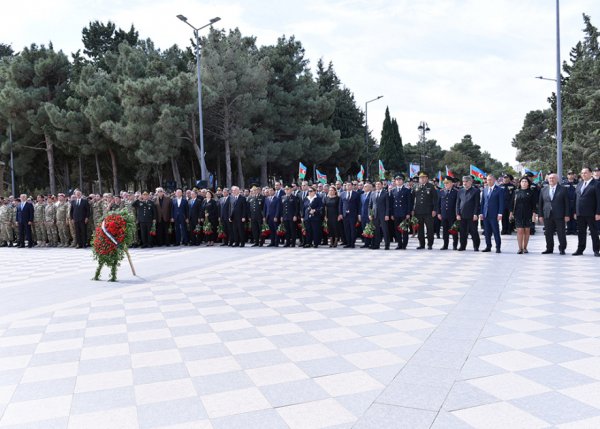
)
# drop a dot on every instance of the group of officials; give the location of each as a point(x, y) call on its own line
point(310, 216)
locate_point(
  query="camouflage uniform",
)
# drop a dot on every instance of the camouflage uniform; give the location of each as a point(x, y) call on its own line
point(128, 204)
point(50, 224)
point(97, 212)
point(38, 224)
point(7, 223)
point(62, 222)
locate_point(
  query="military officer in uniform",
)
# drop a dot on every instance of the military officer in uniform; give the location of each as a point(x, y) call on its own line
point(147, 214)
point(447, 212)
point(71, 223)
point(425, 204)
point(62, 218)
point(509, 190)
point(7, 215)
point(256, 205)
point(401, 207)
point(468, 209)
point(38, 222)
point(290, 213)
point(50, 222)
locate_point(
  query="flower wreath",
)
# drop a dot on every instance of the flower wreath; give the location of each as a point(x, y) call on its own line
point(112, 237)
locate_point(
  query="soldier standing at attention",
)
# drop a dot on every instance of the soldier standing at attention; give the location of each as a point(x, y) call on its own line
point(38, 221)
point(425, 203)
point(50, 222)
point(400, 206)
point(290, 213)
point(509, 191)
point(62, 217)
point(447, 212)
point(71, 223)
point(256, 204)
point(6, 223)
point(146, 217)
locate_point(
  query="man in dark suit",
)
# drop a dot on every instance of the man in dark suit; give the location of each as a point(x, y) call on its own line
point(447, 212)
point(238, 213)
point(272, 216)
point(80, 213)
point(349, 211)
point(224, 203)
point(587, 211)
point(194, 204)
point(313, 218)
point(163, 217)
point(425, 206)
point(400, 207)
point(180, 214)
point(380, 206)
point(553, 208)
point(290, 213)
point(492, 207)
point(365, 200)
point(25, 220)
point(256, 206)
point(467, 213)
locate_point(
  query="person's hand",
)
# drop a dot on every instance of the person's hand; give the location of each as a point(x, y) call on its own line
point(294, 218)
point(85, 220)
point(567, 218)
point(408, 216)
point(392, 217)
point(172, 220)
point(387, 218)
point(243, 219)
point(359, 218)
point(340, 217)
point(458, 217)
point(433, 213)
point(475, 218)
point(597, 217)
point(541, 218)
point(499, 217)
point(481, 217)
point(439, 217)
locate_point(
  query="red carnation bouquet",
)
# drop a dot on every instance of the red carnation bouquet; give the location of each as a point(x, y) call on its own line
point(414, 222)
point(325, 227)
point(404, 226)
point(221, 231)
point(454, 228)
point(198, 229)
point(153, 230)
point(112, 237)
point(280, 230)
point(265, 231)
point(369, 231)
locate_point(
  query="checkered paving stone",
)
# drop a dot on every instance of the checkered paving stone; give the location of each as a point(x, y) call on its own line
point(333, 339)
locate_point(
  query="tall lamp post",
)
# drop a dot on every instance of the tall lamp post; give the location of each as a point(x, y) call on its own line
point(559, 148)
point(12, 161)
point(203, 170)
point(367, 130)
point(423, 128)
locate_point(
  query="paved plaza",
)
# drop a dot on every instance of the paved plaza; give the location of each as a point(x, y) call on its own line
point(259, 338)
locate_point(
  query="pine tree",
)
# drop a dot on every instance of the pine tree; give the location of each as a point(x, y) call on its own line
point(391, 151)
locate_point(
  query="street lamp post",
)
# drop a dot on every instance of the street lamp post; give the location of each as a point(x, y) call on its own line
point(367, 131)
point(203, 170)
point(12, 160)
point(423, 128)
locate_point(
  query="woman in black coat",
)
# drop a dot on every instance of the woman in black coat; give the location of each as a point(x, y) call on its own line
point(332, 212)
point(210, 211)
point(522, 209)
point(313, 219)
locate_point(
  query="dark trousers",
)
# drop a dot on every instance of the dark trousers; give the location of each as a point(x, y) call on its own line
point(583, 223)
point(364, 221)
point(256, 225)
point(490, 226)
point(437, 225)
point(81, 233)
point(401, 237)
point(572, 223)
point(290, 232)
point(227, 231)
point(552, 225)
point(425, 221)
point(239, 235)
point(181, 235)
point(506, 226)
point(162, 233)
point(145, 233)
point(446, 225)
point(469, 226)
point(25, 234)
point(314, 229)
point(195, 239)
point(274, 237)
point(381, 225)
point(350, 230)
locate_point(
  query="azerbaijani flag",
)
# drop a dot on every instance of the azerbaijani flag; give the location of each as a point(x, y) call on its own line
point(301, 171)
point(477, 173)
point(449, 172)
point(337, 174)
point(381, 170)
point(321, 177)
point(537, 175)
point(361, 173)
point(414, 170)
point(440, 181)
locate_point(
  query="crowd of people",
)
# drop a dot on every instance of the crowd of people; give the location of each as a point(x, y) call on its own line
point(339, 214)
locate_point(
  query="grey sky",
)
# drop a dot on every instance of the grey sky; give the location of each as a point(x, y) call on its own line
point(464, 66)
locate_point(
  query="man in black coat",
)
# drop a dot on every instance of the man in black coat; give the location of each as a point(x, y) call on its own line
point(290, 214)
point(380, 207)
point(587, 211)
point(80, 213)
point(238, 213)
point(349, 211)
point(196, 217)
point(468, 209)
point(447, 212)
point(553, 209)
point(25, 220)
point(256, 205)
point(224, 208)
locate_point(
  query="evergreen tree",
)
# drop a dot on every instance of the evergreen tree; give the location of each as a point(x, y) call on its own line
point(391, 151)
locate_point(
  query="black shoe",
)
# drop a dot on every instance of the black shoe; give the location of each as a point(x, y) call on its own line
point(461, 249)
point(444, 248)
point(597, 254)
point(347, 246)
point(420, 247)
point(578, 253)
point(364, 246)
point(487, 249)
point(429, 247)
point(224, 244)
point(476, 249)
point(316, 246)
point(398, 247)
point(562, 252)
point(500, 251)
point(375, 248)
point(520, 252)
point(546, 252)
point(254, 245)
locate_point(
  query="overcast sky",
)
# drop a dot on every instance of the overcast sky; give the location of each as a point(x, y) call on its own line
point(463, 66)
